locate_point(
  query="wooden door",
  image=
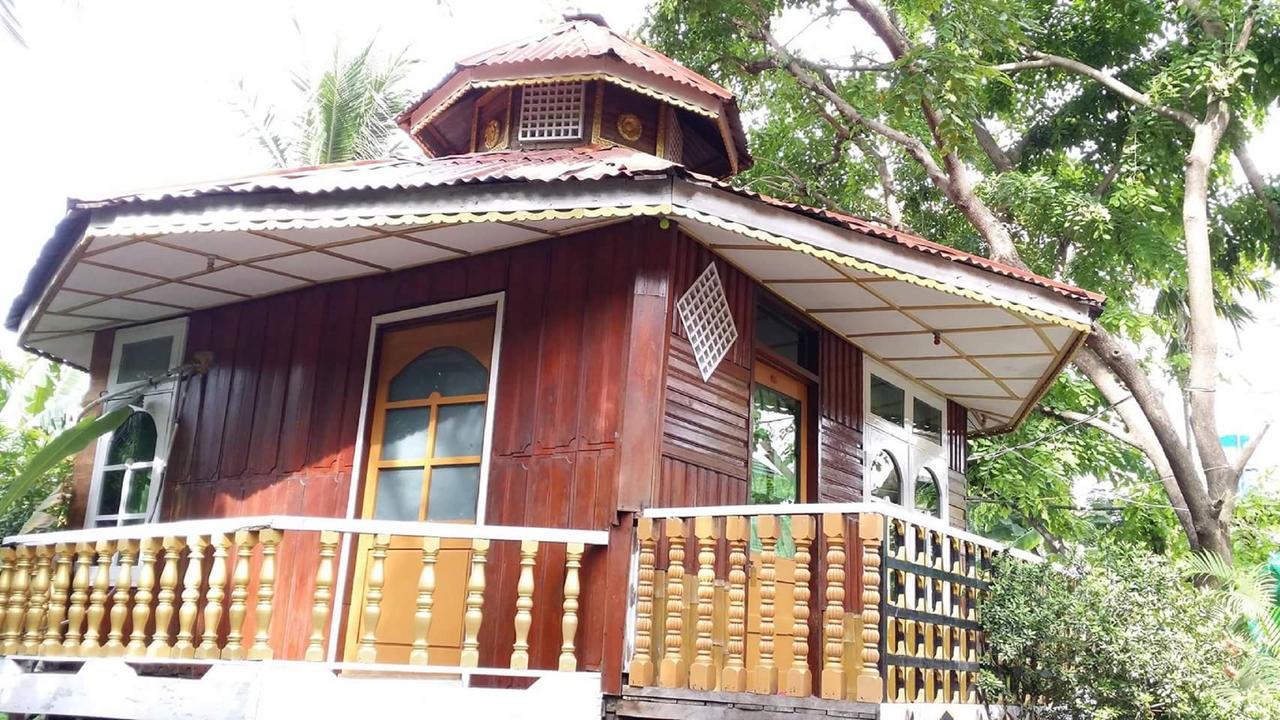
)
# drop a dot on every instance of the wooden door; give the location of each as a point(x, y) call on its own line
point(430, 396)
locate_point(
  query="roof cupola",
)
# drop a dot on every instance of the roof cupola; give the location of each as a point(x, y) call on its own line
point(580, 84)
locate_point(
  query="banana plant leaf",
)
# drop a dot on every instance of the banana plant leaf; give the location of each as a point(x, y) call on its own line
point(64, 445)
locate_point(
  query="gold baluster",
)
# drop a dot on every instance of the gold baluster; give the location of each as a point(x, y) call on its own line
point(734, 676)
point(120, 598)
point(16, 611)
point(79, 596)
point(524, 604)
point(799, 677)
point(833, 673)
point(6, 583)
point(474, 616)
point(147, 551)
point(39, 601)
point(766, 674)
point(261, 649)
point(569, 621)
point(702, 673)
point(89, 646)
point(58, 588)
point(641, 670)
point(245, 541)
point(323, 595)
point(185, 646)
point(375, 577)
point(208, 648)
point(671, 672)
point(870, 685)
point(159, 647)
point(420, 654)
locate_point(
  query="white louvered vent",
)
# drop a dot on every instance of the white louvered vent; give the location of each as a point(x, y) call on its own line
point(551, 112)
point(704, 310)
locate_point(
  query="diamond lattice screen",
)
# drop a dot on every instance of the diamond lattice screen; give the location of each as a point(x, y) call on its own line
point(704, 310)
point(551, 112)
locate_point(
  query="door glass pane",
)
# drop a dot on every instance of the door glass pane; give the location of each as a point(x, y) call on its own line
point(926, 421)
point(134, 441)
point(454, 492)
point(461, 430)
point(928, 495)
point(399, 494)
point(109, 498)
point(144, 359)
point(404, 437)
point(883, 478)
point(775, 446)
point(139, 491)
point(449, 371)
point(888, 401)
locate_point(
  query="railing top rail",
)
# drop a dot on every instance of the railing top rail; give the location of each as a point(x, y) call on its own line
point(885, 509)
point(358, 526)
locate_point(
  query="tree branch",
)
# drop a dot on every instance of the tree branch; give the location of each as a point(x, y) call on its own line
point(1247, 452)
point(1071, 416)
point(1042, 60)
point(997, 155)
point(1258, 186)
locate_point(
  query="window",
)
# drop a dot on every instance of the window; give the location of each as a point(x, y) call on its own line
point(775, 447)
point(130, 462)
point(786, 338)
point(551, 112)
point(904, 443)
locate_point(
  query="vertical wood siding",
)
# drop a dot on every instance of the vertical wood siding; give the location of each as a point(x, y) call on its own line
point(839, 420)
point(958, 462)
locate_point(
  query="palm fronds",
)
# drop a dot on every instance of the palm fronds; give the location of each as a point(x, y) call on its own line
point(1246, 599)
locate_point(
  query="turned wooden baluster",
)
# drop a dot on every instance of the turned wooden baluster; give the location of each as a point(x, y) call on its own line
point(569, 621)
point(16, 611)
point(120, 598)
point(147, 551)
point(79, 596)
point(6, 583)
point(474, 616)
point(421, 651)
point(245, 541)
point(323, 595)
point(870, 686)
point(799, 677)
point(375, 577)
point(208, 648)
point(641, 670)
point(766, 673)
point(734, 676)
point(671, 672)
point(185, 646)
point(39, 601)
point(833, 674)
point(261, 649)
point(524, 605)
point(702, 673)
point(58, 588)
point(159, 647)
point(89, 646)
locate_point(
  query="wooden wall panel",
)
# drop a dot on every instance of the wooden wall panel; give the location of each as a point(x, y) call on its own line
point(958, 461)
point(840, 462)
point(839, 420)
point(82, 465)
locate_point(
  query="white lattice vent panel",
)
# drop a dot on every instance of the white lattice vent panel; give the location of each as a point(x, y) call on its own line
point(551, 112)
point(704, 310)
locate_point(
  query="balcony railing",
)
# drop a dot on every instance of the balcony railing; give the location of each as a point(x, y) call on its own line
point(276, 588)
point(864, 602)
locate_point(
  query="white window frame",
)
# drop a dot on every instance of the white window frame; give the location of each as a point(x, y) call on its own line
point(912, 453)
point(158, 402)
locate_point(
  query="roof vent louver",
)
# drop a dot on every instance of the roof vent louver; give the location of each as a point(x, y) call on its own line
point(551, 112)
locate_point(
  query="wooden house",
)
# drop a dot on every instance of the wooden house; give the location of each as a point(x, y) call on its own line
point(552, 418)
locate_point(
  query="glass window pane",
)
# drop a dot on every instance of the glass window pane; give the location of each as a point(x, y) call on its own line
point(926, 421)
point(461, 430)
point(109, 497)
point(404, 435)
point(449, 371)
point(775, 446)
point(134, 441)
point(454, 492)
point(144, 359)
point(784, 337)
point(139, 491)
point(883, 478)
point(399, 494)
point(888, 400)
point(927, 495)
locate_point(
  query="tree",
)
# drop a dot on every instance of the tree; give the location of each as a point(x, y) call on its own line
point(1087, 141)
point(347, 112)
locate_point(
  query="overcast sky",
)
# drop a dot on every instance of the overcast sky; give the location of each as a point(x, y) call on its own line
point(122, 95)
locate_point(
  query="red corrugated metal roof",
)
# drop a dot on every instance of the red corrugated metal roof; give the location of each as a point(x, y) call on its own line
point(554, 165)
